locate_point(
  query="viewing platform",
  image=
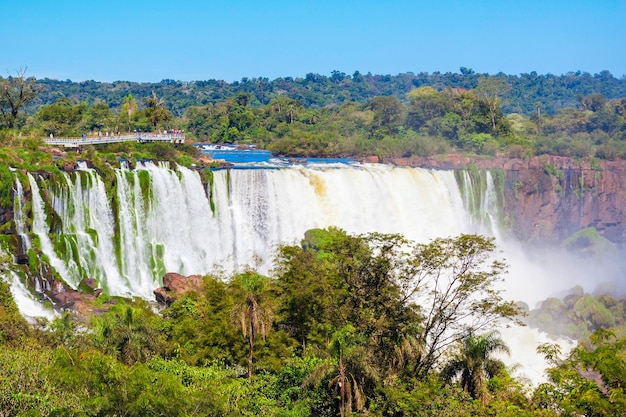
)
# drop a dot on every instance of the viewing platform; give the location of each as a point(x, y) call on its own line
point(137, 137)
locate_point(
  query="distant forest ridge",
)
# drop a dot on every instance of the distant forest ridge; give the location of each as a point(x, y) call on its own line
point(527, 91)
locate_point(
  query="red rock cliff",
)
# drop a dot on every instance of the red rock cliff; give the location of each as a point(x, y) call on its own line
point(548, 198)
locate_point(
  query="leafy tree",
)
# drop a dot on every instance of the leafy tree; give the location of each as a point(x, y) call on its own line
point(281, 110)
point(61, 118)
point(454, 285)
point(201, 121)
point(593, 102)
point(155, 111)
point(388, 113)
point(474, 363)
point(425, 103)
point(15, 93)
point(131, 334)
point(103, 386)
point(589, 381)
point(344, 378)
point(410, 301)
point(490, 90)
point(429, 397)
point(202, 328)
point(333, 280)
point(98, 117)
point(25, 386)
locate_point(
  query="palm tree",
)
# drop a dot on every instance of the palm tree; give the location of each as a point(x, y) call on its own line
point(347, 370)
point(128, 334)
point(129, 105)
point(474, 362)
point(253, 312)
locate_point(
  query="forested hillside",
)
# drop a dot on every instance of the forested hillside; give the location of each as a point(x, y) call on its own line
point(574, 115)
point(367, 325)
point(527, 91)
point(339, 331)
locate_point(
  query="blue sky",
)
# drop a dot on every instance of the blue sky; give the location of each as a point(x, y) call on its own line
point(187, 40)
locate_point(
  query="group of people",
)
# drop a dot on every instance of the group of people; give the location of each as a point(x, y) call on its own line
point(113, 134)
point(99, 134)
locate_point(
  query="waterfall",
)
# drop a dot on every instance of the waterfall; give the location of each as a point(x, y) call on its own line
point(87, 228)
point(81, 165)
point(19, 215)
point(272, 206)
point(28, 305)
point(41, 229)
point(154, 219)
point(163, 220)
point(480, 197)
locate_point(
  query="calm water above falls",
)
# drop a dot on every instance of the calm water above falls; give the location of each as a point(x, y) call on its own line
point(261, 158)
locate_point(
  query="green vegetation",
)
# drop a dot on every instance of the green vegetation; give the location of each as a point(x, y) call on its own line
point(474, 364)
point(578, 315)
point(590, 243)
point(577, 115)
point(590, 381)
point(349, 325)
point(529, 93)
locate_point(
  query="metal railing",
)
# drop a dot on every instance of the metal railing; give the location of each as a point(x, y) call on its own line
point(138, 137)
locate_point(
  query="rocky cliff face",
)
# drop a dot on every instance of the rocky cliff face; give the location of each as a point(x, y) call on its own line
point(546, 199)
point(549, 198)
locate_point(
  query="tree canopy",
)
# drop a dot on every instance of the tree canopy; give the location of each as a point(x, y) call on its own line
point(368, 324)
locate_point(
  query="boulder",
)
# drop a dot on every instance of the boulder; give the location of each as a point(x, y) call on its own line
point(175, 286)
point(79, 301)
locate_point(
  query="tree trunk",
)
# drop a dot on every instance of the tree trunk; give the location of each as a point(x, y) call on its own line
point(342, 388)
point(250, 349)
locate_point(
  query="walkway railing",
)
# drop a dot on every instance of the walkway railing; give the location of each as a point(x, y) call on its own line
point(138, 137)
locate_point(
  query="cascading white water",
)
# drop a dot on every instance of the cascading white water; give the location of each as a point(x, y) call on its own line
point(162, 220)
point(480, 198)
point(41, 229)
point(29, 307)
point(268, 207)
point(20, 215)
point(87, 228)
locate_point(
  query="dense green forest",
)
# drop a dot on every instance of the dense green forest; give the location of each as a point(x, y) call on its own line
point(346, 325)
point(552, 92)
point(576, 115)
point(370, 325)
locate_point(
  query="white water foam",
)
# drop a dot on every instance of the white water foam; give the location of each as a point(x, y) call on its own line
point(164, 221)
point(29, 306)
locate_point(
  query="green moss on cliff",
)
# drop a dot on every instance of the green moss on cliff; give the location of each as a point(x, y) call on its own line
point(482, 192)
point(590, 242)
point(208, 180)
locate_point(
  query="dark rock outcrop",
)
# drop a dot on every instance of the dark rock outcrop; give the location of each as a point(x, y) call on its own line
point(77, 301)
point(175, 286)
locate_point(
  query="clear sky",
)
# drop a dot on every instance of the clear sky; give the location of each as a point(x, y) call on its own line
point(190, 40)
